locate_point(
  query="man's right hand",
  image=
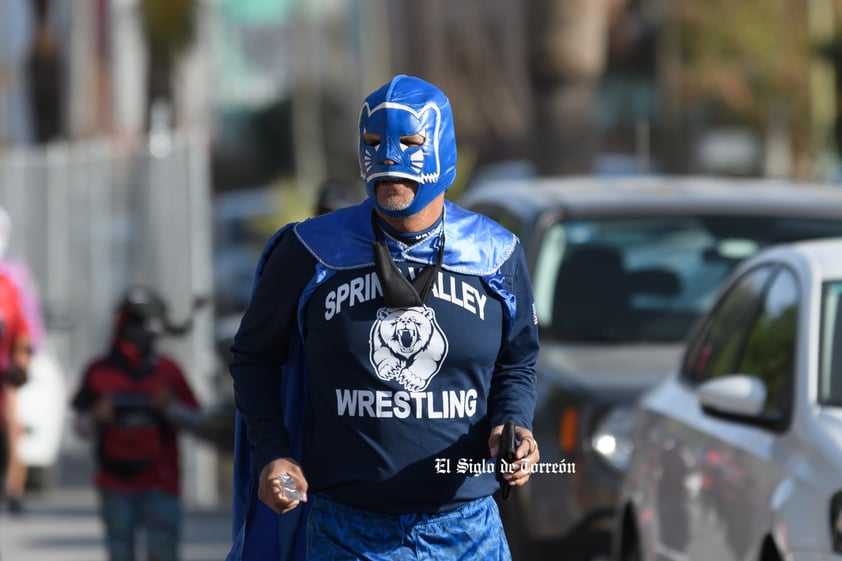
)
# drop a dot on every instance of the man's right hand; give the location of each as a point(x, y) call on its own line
point(269, 488)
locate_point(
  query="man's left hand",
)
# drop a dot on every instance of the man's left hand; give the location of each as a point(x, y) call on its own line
point(527, 453)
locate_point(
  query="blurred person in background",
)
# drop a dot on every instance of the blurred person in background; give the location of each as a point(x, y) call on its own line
point(132, 402)
point(336, 193)
point(21, 330)
point(363, 378)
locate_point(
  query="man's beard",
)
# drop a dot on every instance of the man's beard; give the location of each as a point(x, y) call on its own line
point(394, 204)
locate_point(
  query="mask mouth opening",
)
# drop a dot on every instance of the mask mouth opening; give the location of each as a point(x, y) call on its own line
point(392, 180)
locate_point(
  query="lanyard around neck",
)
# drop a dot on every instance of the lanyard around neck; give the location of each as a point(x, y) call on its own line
point(398, 291)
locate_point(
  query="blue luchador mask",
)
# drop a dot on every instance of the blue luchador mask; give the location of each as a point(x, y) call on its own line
point(407, 106)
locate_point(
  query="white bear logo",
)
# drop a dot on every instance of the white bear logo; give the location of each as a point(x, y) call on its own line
point(407, 345)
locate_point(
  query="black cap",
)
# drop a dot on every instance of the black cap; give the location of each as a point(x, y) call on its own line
point(143, 303)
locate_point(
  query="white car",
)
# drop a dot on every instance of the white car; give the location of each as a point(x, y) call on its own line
point(738, 456)
point(622, 267)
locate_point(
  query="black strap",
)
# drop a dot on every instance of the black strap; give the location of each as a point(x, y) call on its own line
point(398, 291)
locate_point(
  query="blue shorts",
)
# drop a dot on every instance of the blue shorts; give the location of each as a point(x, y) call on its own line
point(471, 532)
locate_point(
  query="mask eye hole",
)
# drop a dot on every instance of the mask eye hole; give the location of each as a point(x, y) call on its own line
point(371, 139)
point(412, 139)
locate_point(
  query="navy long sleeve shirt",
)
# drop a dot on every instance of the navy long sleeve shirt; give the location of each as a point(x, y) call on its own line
point(400, 402)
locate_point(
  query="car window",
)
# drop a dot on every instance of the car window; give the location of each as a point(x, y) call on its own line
point(716, 348)
point(769, 351)
point(646, 278)
point(752, 331)
point(640, 279)
point(830, 363)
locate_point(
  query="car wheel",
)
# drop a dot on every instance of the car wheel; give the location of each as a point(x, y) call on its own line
point(632, 554)
point(770, 551)
point(630, 545)
point(514, 528)
point(521, 545)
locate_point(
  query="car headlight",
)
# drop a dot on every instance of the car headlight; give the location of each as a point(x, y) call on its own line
point(836, 521)
point(611, 438)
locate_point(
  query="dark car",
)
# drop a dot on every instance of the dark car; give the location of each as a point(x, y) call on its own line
point(621, 269)
point(243, 220)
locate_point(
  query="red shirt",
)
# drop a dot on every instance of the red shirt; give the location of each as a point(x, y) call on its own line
point(12, 327)
point(12, 321)
point(106, 377)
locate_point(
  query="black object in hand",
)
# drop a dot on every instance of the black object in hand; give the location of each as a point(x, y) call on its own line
point(506, 457)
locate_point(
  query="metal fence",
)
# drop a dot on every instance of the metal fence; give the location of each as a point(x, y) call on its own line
point(91, 218)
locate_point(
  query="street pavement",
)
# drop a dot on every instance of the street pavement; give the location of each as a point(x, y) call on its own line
point(61, 524)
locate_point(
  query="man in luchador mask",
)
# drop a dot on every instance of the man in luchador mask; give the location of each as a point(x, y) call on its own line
point(384, 348)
